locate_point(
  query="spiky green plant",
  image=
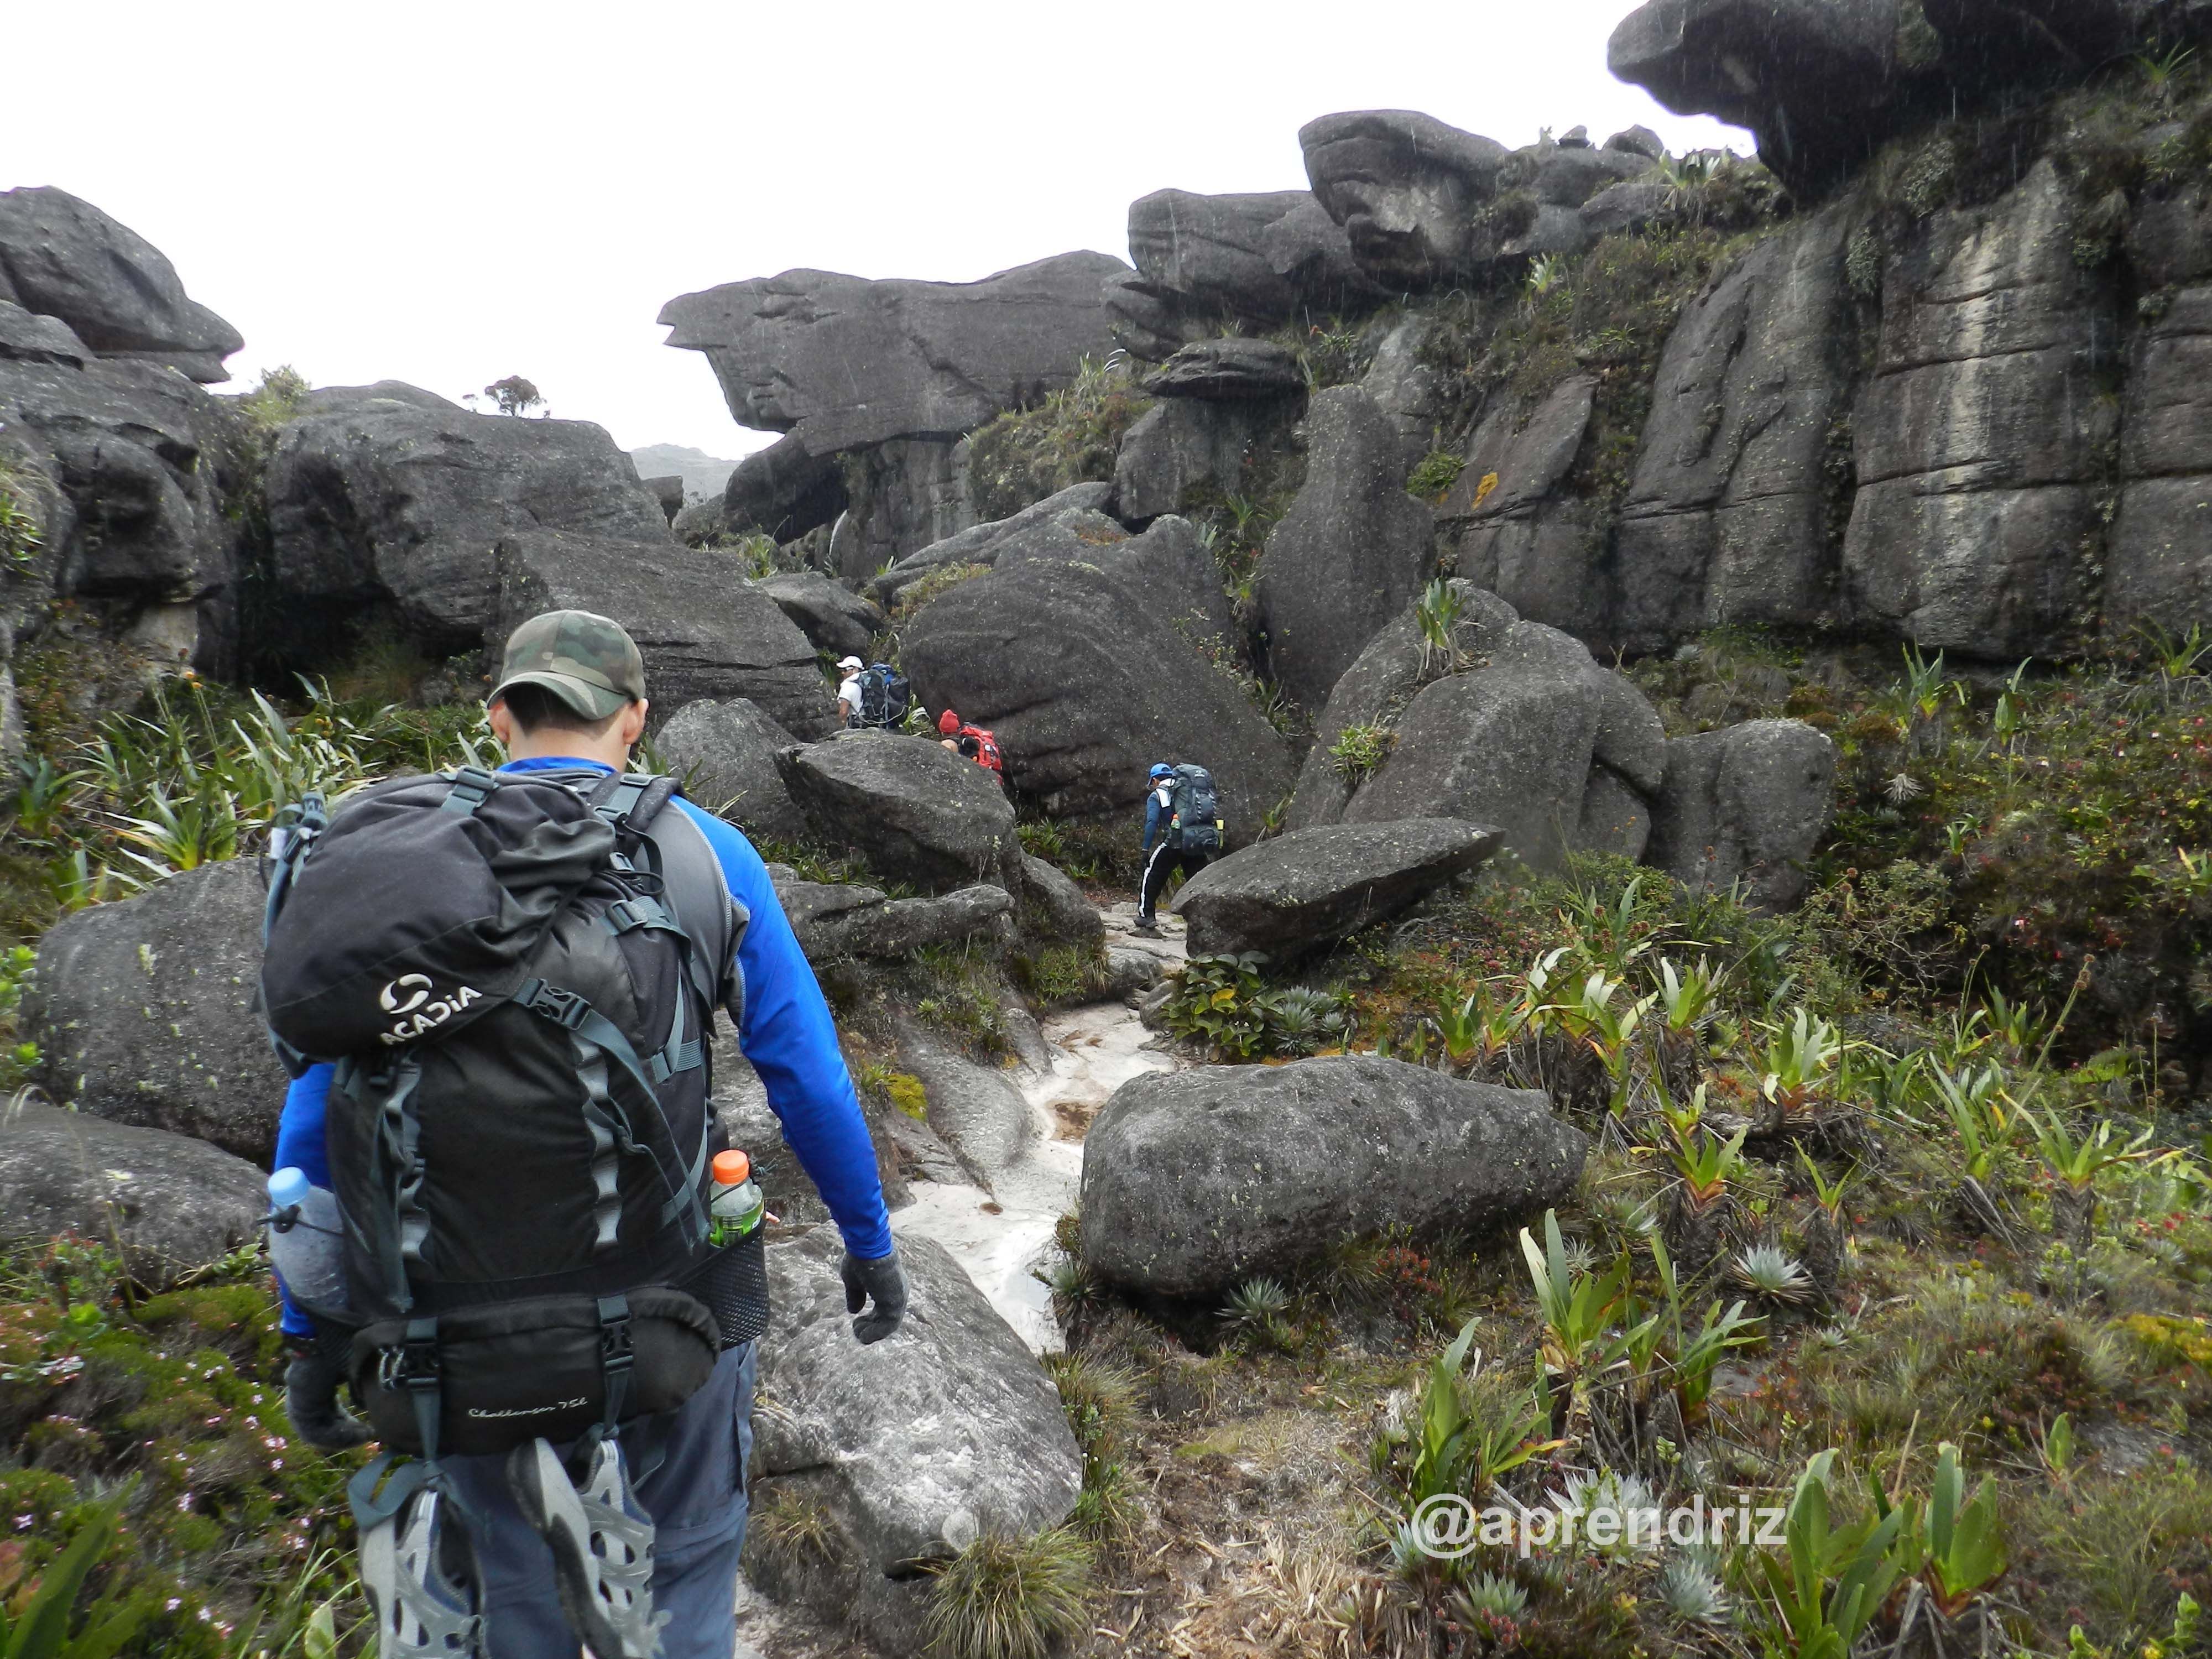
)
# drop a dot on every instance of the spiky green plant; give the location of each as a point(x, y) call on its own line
point(1010, 1598)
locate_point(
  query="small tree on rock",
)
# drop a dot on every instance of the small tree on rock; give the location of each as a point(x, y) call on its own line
point(515, 395)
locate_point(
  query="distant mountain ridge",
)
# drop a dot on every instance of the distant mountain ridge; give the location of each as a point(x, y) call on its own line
point(702, 474)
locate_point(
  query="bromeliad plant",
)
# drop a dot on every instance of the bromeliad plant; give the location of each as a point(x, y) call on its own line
point(1606, 1024)
point(1584, 1336)
point(1953, 1547)
point(1829, 1582)
point(1465, 1453)
point(1798, 1061)
point(2076, 1164)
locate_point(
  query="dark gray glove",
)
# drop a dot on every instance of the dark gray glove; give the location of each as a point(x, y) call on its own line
point(881, 1281)
point(311, 1400)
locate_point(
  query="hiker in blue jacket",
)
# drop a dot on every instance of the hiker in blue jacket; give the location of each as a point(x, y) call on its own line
point(1171, 846)
point(571, 696)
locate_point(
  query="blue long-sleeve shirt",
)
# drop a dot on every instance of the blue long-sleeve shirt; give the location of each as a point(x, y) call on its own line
point(788, 1034)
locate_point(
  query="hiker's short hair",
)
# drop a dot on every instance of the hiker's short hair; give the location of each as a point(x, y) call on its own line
point(536, 709)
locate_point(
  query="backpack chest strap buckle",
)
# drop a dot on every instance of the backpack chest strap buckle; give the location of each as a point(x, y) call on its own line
point(566, 1009)
point(413, 1363)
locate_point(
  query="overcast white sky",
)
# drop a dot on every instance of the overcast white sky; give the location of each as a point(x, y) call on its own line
point(450, 192)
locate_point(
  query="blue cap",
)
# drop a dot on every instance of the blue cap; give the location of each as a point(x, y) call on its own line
point(1163, 771)
point(288, 1186)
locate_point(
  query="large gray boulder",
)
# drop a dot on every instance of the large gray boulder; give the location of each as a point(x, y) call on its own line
point(1816, 82)
point(1979, 440)
point(144, 1011)
point(1516, 738)
point(1825, 83)
point(1351, 553)
point(1183, 445)
point(1262, 259)
point(172, 1203)
point(702, 630)
point(1194, 1181)
point(1726, 518)
point(840, 920)
point(1231, 367)
point(392, 501)
point(975, 1108)
point(911, 1447)
point(842, 362)
point(833, 618)
point(1303, 891)
point(982, 543)
point(129, 465)
point(724, 751)
point(1376, 688)
point(1406, 188)
point(1053, 908)
point(63, 257)
point(1747, 803)
point(1087, 671)
point(917, 812)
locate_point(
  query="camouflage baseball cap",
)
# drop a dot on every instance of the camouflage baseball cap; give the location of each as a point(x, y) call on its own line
point(589, 662)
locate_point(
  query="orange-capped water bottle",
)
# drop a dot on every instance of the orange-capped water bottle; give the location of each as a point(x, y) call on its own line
point(736, 1206)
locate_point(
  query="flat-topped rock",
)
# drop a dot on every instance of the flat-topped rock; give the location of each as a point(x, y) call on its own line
point(842, 362)
point(1301, 892)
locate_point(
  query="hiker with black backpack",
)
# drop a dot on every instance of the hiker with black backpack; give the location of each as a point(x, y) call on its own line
point(1182, 831)
point(874, 697)
point(495, 992)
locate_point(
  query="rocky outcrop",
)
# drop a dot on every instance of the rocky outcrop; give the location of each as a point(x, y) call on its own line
point(2158, 568)
point(1823, 86)
point(390, 501)
point(63, 259)
point(1259, 258)
point(911, 1447)
point(144, 1011)
point(1375, 690)
point(172, 1203)
point(1515, 726)
point(833, 618)
point(1351, 553)
point(1977, 440)
point(785, 490)
point(1426, 205)
point(1220, 401)
point(977, 1113)
point(1196, 1180)
point(1727, 516)
point(915, 811)
point(1514, 530)
point(1406, 189)
point(1085, 668)
point(939, 358)
point(982, 543)
point(703, 633)
point(668, 490)
point(1053, 908)
point(127, 463)
point(1231, 367)
point(1303, 891)
point(1747, 803)
point(1407, 389)
point(724, 750)
point(845, 920)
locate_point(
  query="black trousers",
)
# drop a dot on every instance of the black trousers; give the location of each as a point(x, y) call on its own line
point(1164, 863)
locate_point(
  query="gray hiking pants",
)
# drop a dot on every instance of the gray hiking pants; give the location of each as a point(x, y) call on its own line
point(697, 1501)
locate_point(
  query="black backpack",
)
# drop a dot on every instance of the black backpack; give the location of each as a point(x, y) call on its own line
point(886, 695)
point(514, 973)
point(1194, 825)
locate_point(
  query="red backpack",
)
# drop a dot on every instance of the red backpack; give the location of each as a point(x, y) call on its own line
point(987, 750)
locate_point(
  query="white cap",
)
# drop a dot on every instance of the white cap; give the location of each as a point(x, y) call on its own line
point(852, 662)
